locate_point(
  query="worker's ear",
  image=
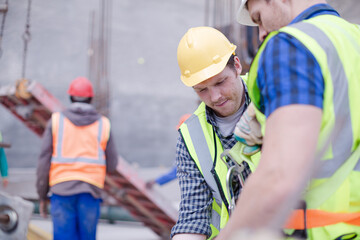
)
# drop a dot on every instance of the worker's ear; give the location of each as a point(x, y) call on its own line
point(238, 66)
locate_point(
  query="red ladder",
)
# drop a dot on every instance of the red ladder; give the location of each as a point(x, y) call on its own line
point(33, 105)
point(127, 189)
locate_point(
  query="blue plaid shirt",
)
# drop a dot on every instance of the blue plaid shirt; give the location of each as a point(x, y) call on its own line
point(288, 72)
point(196, 196)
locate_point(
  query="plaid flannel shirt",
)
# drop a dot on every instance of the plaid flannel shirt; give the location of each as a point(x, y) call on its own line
point(196, 196)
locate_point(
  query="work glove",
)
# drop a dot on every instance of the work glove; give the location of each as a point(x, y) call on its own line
point(248, 131)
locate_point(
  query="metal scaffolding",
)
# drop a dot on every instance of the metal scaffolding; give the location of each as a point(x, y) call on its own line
point(98, 52)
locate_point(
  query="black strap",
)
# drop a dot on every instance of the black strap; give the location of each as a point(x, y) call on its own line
point(347, 236)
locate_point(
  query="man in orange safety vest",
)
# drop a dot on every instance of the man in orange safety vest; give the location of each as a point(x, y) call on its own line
point(77, 151)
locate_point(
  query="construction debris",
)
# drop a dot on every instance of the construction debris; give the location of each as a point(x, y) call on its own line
point(127, 189)
point(15, 214)
point(33, 105)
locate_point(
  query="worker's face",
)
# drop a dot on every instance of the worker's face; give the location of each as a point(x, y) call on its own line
point(269, 15)
point(223, 92)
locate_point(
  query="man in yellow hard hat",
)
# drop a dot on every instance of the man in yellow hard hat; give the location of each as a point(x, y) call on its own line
point(304, 82)
point(209, 65)
point(78, 150)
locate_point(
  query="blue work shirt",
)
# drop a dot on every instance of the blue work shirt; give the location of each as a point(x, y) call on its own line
point(288, 72)
point(167, 177)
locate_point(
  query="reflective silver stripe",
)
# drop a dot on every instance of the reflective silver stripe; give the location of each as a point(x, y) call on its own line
point(60, 134)
point(343, 139)
point(78, 159)
point(206, 163)
point(203, 153)
point(60, 159)
point(357, 167)
point(215, 219)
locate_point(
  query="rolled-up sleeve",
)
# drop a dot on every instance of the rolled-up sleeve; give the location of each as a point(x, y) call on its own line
point(288, 74)
point(44, 162)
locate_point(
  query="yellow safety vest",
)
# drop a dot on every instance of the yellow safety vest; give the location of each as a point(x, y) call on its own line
point(205, 148)
point(78, 151)
point(333, 196)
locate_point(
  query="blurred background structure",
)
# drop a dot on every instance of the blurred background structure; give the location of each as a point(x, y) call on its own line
point(128, 50)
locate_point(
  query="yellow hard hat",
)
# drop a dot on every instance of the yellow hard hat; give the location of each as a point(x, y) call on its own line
point(202, 53)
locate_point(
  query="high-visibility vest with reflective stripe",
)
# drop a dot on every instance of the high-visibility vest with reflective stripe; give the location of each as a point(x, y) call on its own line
point(205, 148)
point(78, 151)
point(334, 191)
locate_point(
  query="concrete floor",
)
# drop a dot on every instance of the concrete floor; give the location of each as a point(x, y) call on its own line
point(106, 231)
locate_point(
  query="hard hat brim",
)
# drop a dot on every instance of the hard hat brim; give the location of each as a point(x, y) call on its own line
point(208, 72)
point(243, 16)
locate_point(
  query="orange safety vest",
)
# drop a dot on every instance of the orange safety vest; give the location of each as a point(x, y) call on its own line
point(78, 151)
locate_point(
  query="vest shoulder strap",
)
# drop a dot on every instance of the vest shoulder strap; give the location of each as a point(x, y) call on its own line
point(308, 32)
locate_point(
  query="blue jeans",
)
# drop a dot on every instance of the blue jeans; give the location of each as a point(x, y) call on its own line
point(75, 217)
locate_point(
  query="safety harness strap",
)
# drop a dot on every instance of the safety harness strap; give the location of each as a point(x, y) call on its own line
point(318, 218)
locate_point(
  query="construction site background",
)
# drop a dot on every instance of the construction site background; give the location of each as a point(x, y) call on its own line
point(144, 95)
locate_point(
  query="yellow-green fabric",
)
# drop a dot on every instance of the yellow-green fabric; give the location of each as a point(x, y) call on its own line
point(252, 161)
point(205, 147)
point(335, 187)
point(259, 116)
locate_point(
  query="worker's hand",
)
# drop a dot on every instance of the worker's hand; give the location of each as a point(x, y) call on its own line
point(150, 184)
point(5, 182)
point(248, 131)
point(43, 208)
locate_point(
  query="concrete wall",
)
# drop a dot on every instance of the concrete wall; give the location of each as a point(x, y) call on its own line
point(147, 99)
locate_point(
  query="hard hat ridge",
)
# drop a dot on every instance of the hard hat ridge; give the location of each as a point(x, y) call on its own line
point(189, 39)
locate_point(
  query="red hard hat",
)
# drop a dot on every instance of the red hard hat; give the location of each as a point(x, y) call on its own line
point(81, 87)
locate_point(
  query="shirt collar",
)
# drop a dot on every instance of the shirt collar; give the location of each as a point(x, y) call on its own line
point(313, 11)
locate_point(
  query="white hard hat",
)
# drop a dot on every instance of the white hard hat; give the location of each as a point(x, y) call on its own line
point(243, 16)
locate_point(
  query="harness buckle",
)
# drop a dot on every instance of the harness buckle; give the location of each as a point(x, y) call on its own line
point(235, 170)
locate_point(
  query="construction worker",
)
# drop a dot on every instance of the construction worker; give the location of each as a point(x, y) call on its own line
point(163, 179)
point(3, 166)
point(77, 151)
point(304, 84)
point(171, 174)
point(209, 65)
